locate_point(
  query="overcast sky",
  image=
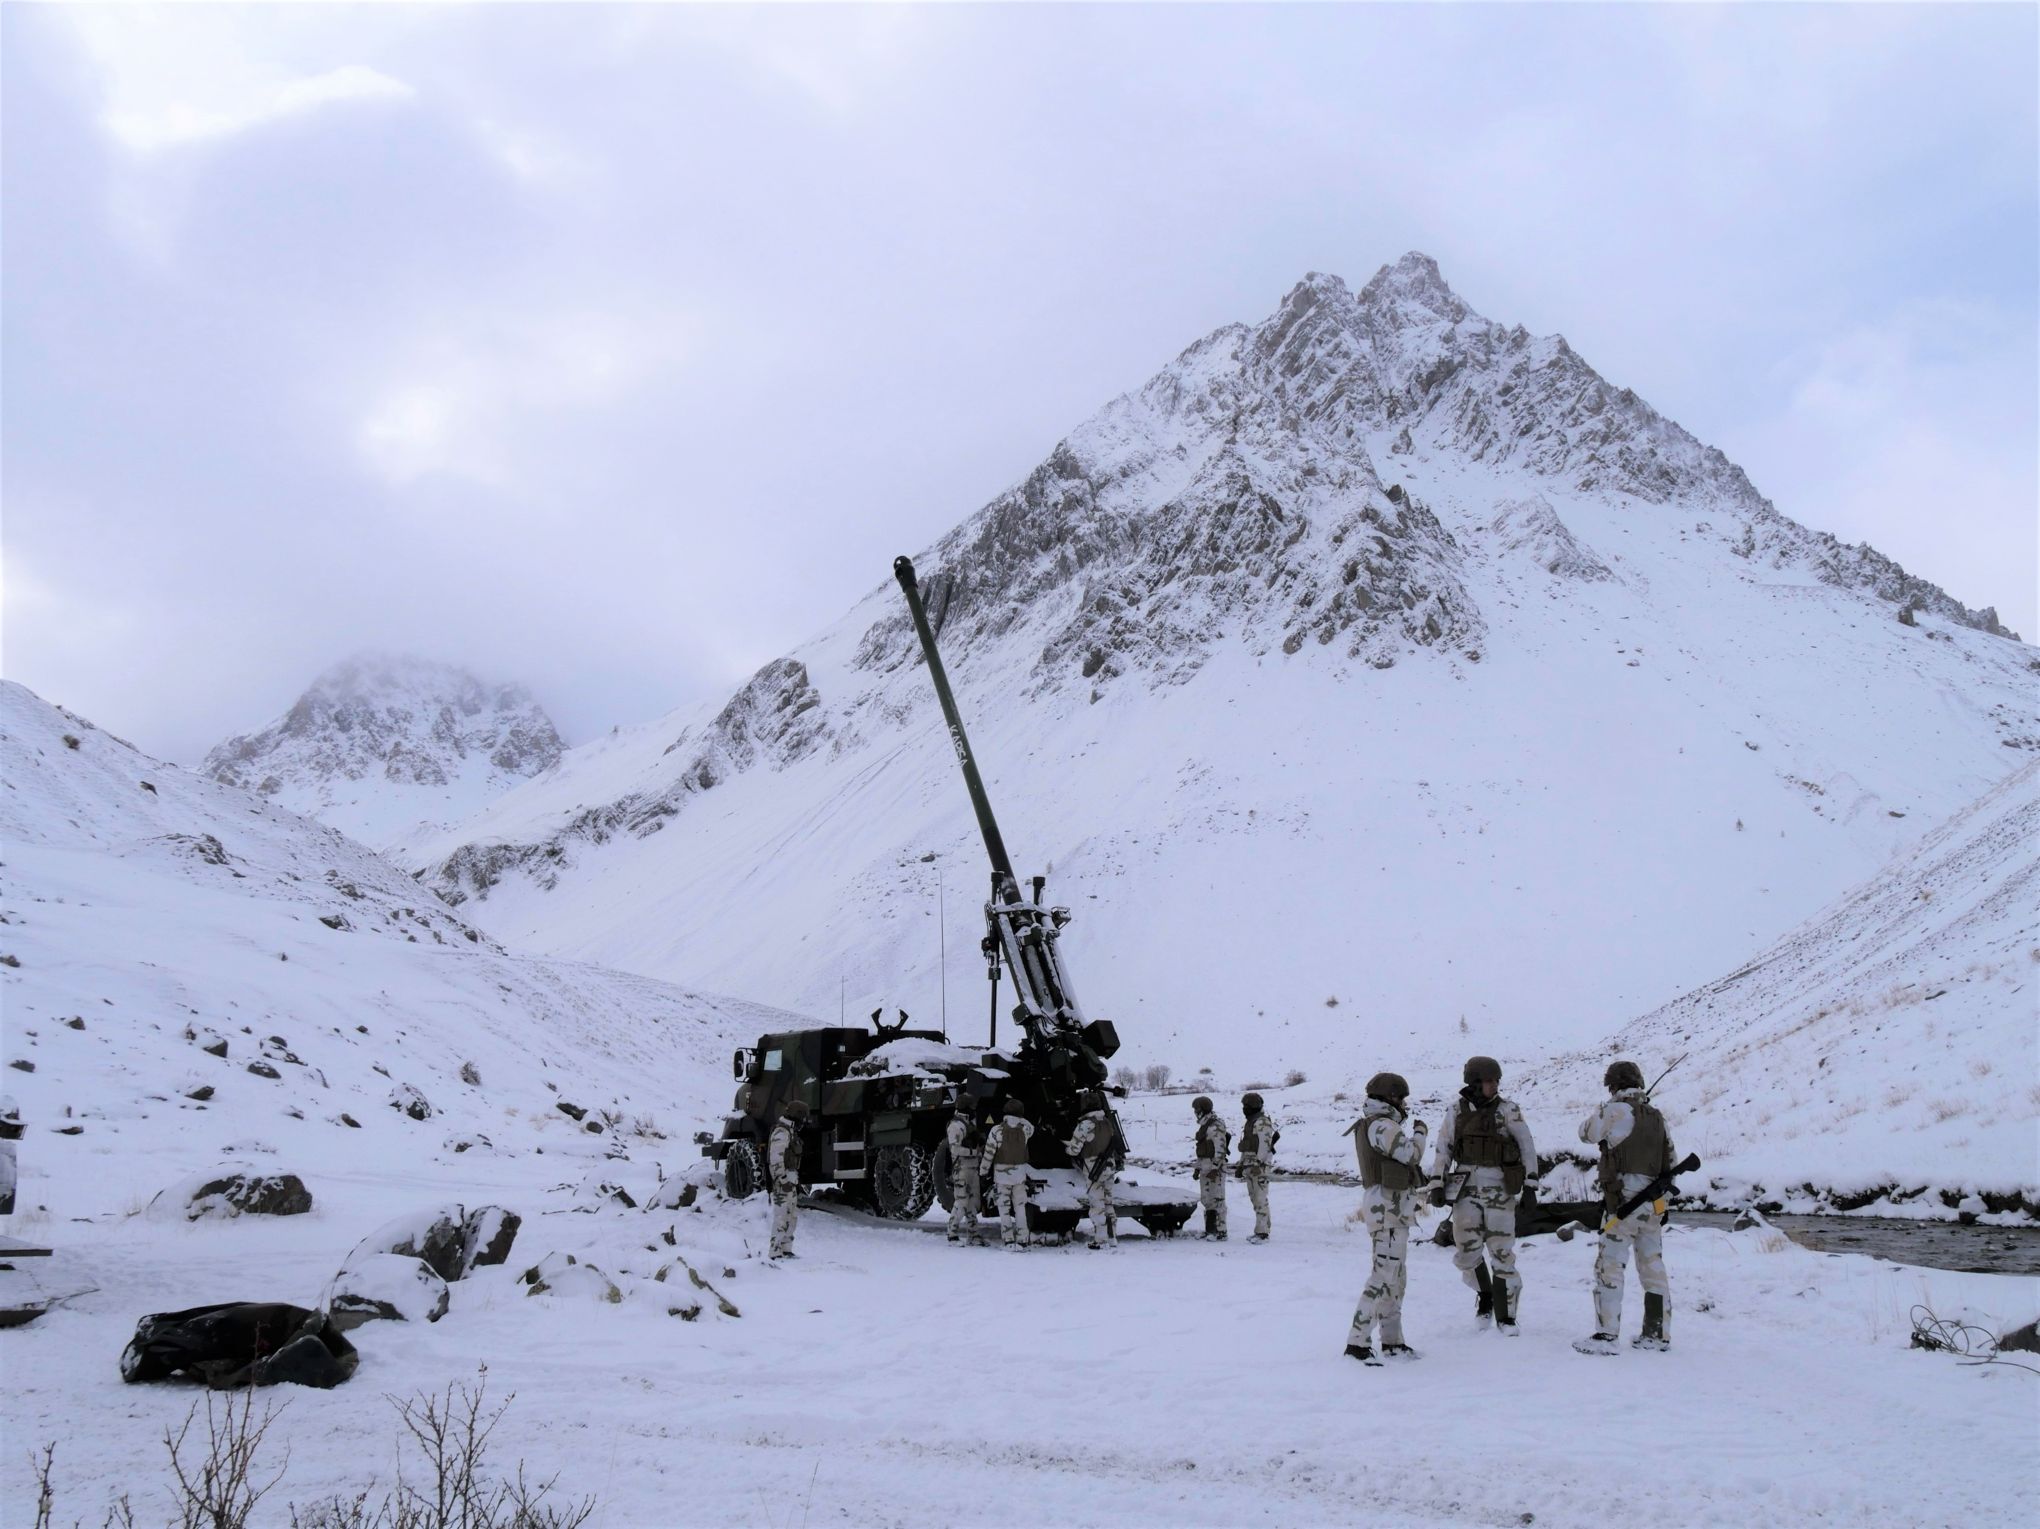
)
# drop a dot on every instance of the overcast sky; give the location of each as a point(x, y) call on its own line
point(619, 350)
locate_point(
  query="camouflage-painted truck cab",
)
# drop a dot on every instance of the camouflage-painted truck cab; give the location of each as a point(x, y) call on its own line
point(873, 1126)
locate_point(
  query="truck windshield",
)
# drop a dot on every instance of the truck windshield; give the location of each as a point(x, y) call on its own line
point(772, 1061)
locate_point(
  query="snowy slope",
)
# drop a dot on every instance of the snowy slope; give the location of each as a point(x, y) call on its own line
point(382, 746)
point(147, 913)
point(1889, 1046)
point(1367, 668)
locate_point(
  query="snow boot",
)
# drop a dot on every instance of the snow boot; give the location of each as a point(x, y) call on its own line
point(1401, 1352)
point(1484, 1295)
point(1505, 1313)
point(1258, 1237)
point(1605, 1345)
point(1655, 1335)
point(1364, 1354)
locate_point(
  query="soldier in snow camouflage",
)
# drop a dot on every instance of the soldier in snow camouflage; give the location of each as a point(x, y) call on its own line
point(1214, 1144)
point(1257, 1160)
point(1486, 1138)
point(1005, 1158)
point(1094, 1147)
point(1636, 1146)
point(965, 1188)
point(782, 1164)
point(1391, 1159)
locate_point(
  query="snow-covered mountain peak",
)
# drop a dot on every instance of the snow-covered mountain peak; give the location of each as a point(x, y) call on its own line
point(382, 743)
point(1413, 285)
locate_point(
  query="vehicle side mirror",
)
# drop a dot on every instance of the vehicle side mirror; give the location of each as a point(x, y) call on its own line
point(740, 1066)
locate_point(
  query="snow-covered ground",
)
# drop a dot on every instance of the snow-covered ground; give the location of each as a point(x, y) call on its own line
point(884, 1378)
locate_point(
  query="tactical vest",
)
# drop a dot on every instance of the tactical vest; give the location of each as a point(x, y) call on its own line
point(1250, 1135)
point(1012, 1150)
point(1209, 1133)
point(789, 1156)
point(1645, 1150)
point(1480, 1140)
point(966, 1139)
point(1377, 1171)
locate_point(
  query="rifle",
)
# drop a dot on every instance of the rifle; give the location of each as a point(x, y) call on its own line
point(1117, 1145)
point(1649, 1192)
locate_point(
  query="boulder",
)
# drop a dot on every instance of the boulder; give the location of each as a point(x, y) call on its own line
point(486, 1236)
point(563, 1274)
point(435, 1237)
point(408, 1101)
point(451, 1241)
point(385, 1287)
point(225, 1193)
point(2023, 1340)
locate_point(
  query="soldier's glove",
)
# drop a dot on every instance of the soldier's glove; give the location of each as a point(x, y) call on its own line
point(1438, 1193)
point(1528, 1199)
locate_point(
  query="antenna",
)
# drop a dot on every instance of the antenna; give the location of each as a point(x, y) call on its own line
point(942, 937)
point(1666, 1073)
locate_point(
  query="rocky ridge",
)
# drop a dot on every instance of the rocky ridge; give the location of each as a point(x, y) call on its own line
point(1237, 500)
point(379, 743)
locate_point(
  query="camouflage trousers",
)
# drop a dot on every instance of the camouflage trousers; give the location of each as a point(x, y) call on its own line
point(1098, 1201)
point(785, 1212)
point(964, 1194)
point(1484, 1221)
point(1644, 1228)
point(1389, 1219)
point(1211, 1195)
point(1009, 1193)
point(1256, 1175)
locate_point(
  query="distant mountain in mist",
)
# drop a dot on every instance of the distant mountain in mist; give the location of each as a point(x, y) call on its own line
point(380, 745)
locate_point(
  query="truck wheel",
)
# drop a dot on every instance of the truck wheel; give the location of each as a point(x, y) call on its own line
point(742, 1174)
point(945, 1177)
point(903, 1182)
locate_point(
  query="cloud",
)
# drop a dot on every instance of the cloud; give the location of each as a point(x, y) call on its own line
point(621, 347)
point(175, 123)
point(474, 403)
point(171, 76)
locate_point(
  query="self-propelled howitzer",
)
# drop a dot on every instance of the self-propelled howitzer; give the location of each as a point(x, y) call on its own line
point(1066, 1052)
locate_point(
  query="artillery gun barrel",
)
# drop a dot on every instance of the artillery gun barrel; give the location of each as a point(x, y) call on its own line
point(995, 846)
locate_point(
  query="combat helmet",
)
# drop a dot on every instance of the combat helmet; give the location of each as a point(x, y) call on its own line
point(1201, 1104)
point(1481, 1067)
point(795, 1109)
point(1251, 1103)
point(1016, 1109)
point(1389, 1087)
point(1623, 1074)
